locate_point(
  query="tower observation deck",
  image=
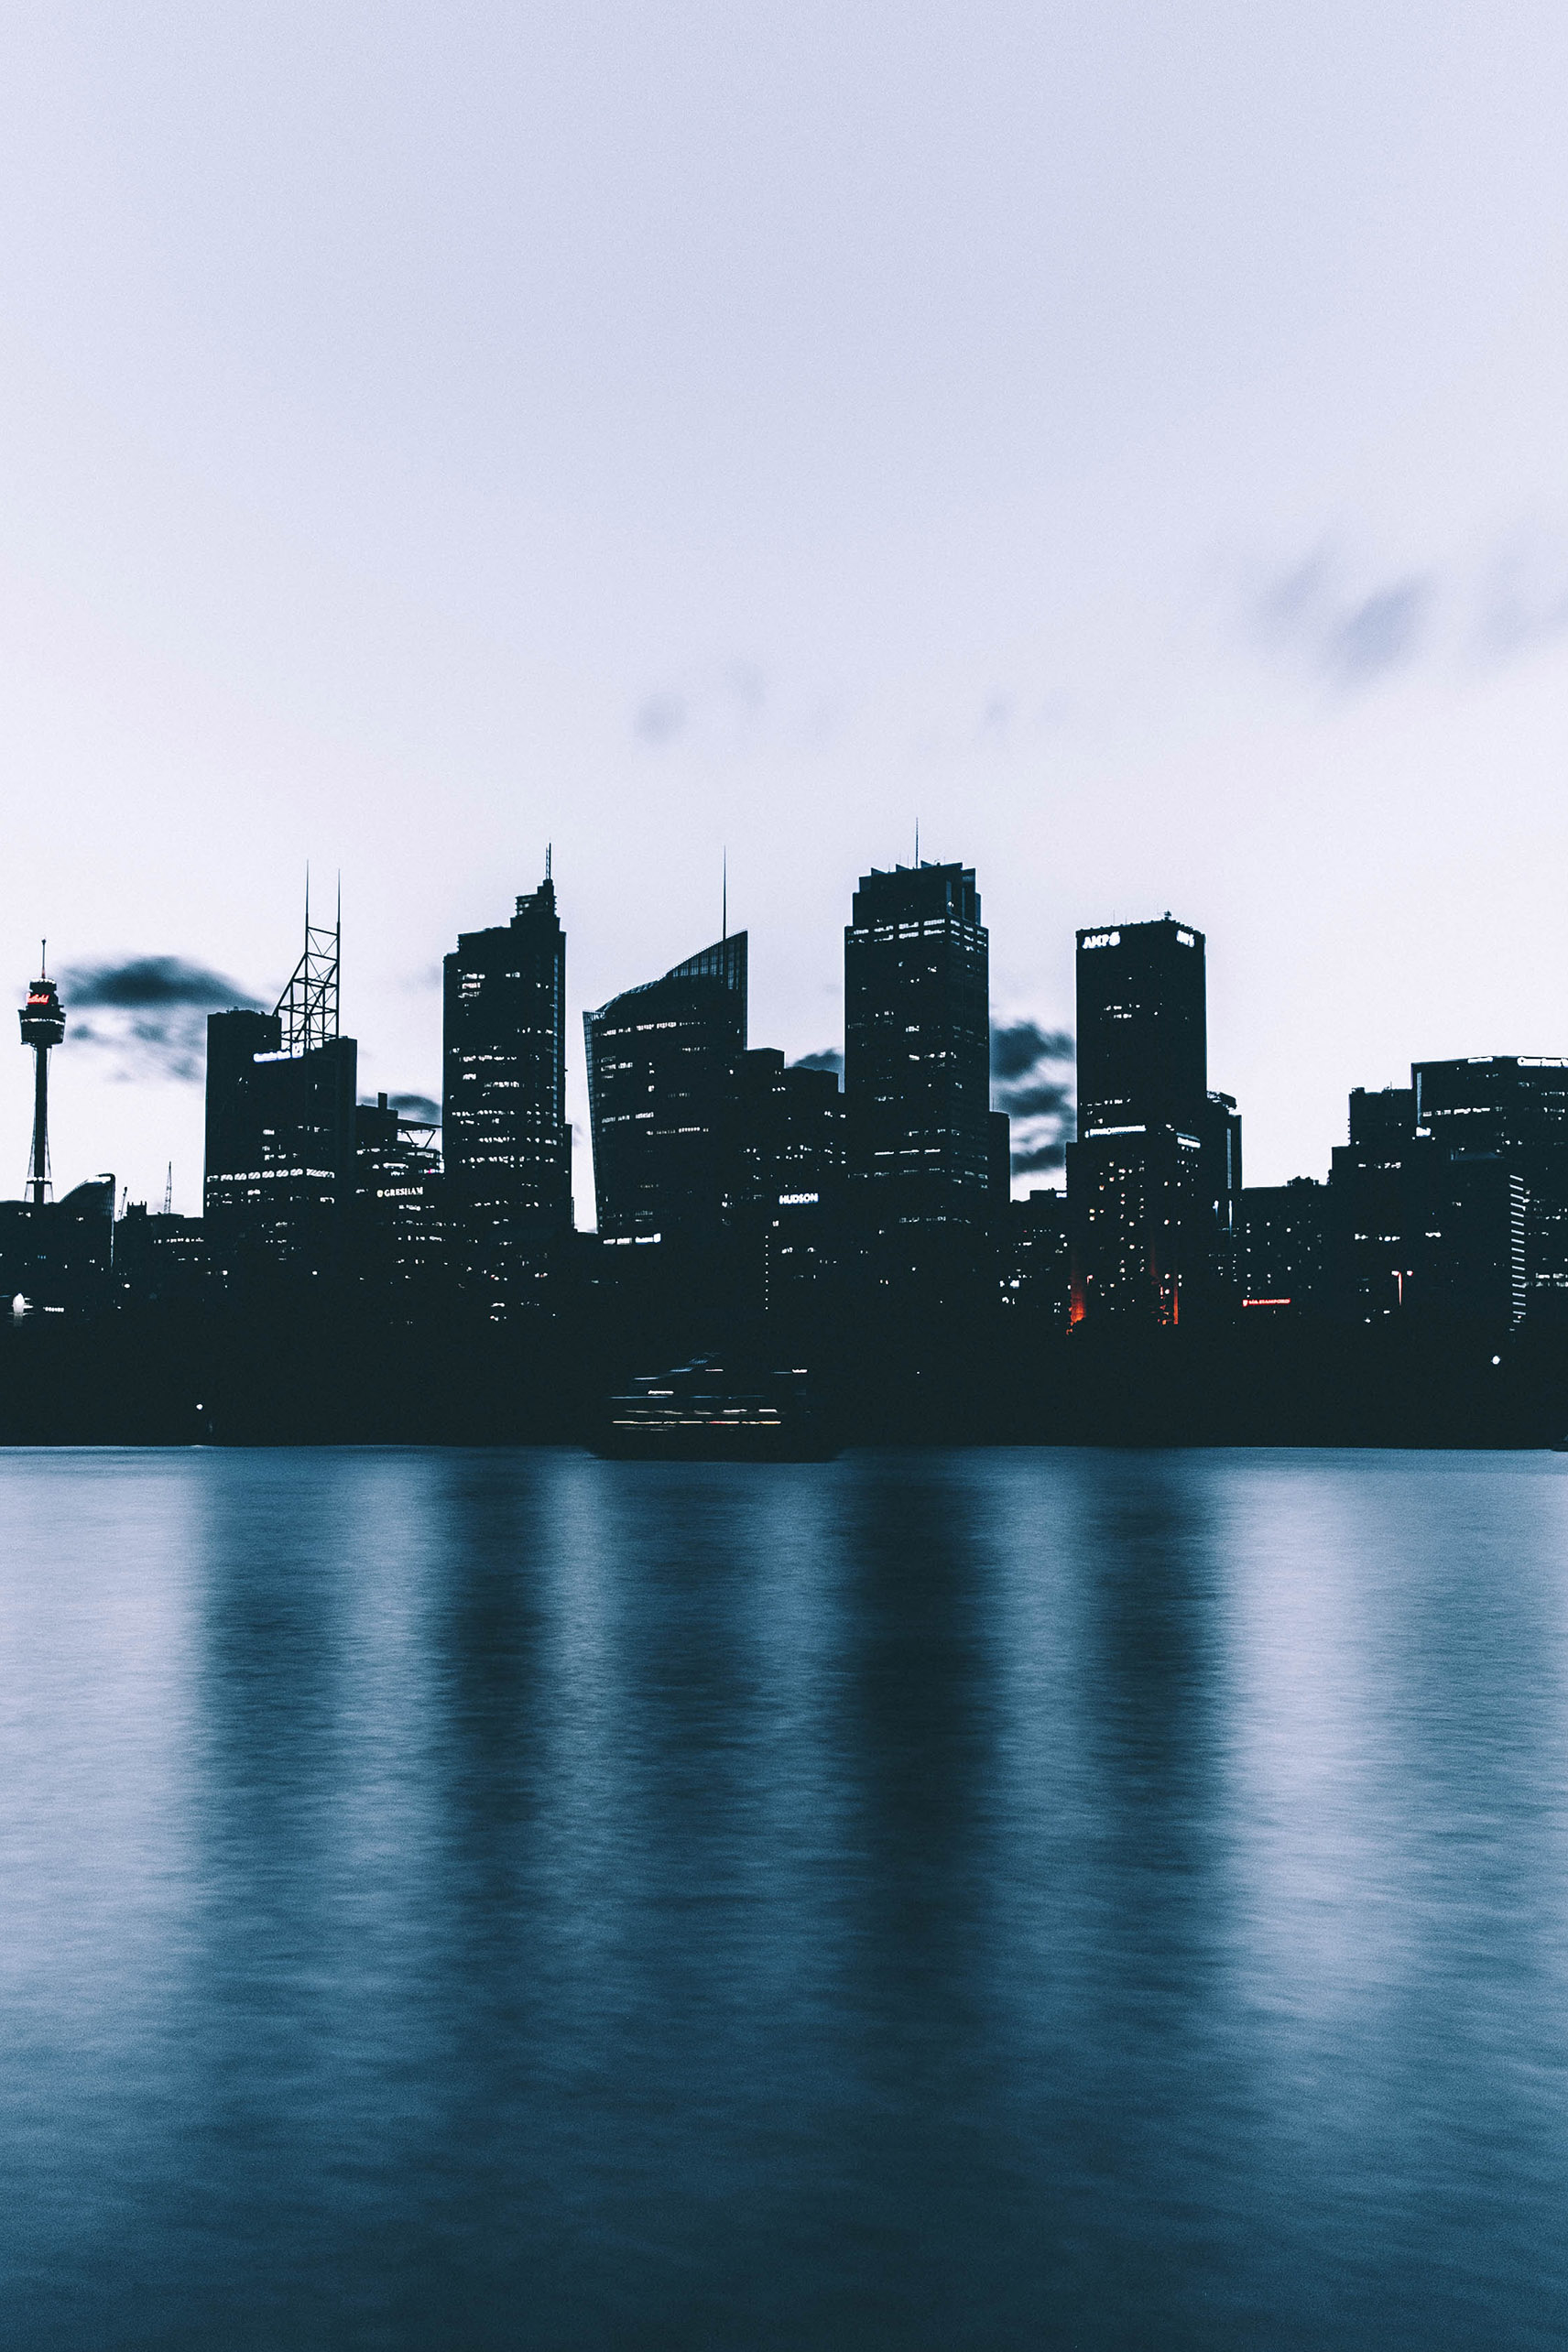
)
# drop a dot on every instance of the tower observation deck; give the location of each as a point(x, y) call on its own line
point(43, 1026)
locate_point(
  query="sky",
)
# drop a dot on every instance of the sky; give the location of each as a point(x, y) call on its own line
point(1129, 442)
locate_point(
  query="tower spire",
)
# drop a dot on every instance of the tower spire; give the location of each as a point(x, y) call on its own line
point(43, 1026)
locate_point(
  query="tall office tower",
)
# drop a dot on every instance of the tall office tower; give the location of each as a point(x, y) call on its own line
point(506, 1135)
point(1419, 1227)
point(280, 1125)
point(1511, 1109)
point(399, 1254)
point(1154, 1178)
point(783, 1162)
point(917, 1067)
point(659, 1074)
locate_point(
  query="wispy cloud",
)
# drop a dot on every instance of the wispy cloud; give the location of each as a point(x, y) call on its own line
point(422, 1107)
point(1033, 1080)
point(1348, 636)
point(830, 1058)
point(147, 1013)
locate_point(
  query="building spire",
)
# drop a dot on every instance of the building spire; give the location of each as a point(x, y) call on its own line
point(725, 897)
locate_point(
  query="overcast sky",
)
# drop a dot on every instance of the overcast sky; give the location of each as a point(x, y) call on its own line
point(1131, 441)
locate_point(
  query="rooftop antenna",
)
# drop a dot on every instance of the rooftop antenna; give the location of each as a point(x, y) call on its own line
point(917, 845)
point(307, 1007)
point(547, 849)
point(725, 889)
point(168, 1191)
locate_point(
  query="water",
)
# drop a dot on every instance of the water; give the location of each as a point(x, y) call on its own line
point(970, 1899)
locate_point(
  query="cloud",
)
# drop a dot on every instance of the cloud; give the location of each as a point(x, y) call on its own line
point(1382, 631)
point(1032, 1080)
point(830, 1058)
point(416, 1106)
point(153, 980)
point(1042, 1156)
point(660, 719)
point(1351, 638)
point(720, 709)
point(154, 1009)
point(1017, 1046)
point(1524, 596)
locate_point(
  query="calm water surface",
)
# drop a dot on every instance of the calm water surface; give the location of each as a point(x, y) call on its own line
point(969, 1899)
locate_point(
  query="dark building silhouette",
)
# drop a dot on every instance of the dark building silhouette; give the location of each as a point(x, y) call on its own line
point(506, 1135)
point(399, 1254)
point(57, 1257)
point(1419, 1228)
point(1034, 1260)
point(1510, 1109)
point(1001, 1171)
point(1284, 1247)
point(659, 1061)
point(160, 1257)
point(1154, 1179)
point(917, 1049)
point(784, 1157)
point(281, 1128)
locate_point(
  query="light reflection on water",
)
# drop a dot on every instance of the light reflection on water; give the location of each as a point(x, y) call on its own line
point(978, 1898)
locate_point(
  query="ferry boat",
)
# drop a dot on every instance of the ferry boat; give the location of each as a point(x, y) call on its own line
point(700, 1413)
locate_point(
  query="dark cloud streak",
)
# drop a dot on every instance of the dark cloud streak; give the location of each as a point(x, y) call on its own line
point(1033, 1080)
point(155, 1009)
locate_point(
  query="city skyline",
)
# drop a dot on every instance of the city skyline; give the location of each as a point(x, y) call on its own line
point(163, 1001)
point(1173, 510)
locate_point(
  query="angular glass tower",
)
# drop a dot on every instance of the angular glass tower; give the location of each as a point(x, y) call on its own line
point(660, 1059)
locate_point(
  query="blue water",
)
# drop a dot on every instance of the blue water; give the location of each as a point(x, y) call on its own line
point(968, 1899)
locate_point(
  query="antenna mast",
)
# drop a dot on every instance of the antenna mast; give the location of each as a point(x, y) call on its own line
point(307, 1007)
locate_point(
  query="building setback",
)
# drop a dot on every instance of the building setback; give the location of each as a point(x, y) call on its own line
point(659, 1063)
point(917, 1048)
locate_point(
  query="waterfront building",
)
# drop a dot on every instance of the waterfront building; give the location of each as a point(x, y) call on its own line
point(1284, 1247)
point(1154, 1178)
point(784, 1156)
point(1511, 1109)
point(1420, 1226)
point(57, 1257)
point(917, 1049)
point(279, 1171)
point(399, 1241)
point(659, 1061)
point(505, 1136)
point(1034, 1260)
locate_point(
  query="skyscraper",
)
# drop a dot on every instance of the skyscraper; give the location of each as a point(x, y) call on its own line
point(917, 1048)
point(783, 1166)
point(505, 1136)
point(280, 1125)
point(1155, 1176)
point(1432, 1217)
point(1512, 1109)
point(660, 1059)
